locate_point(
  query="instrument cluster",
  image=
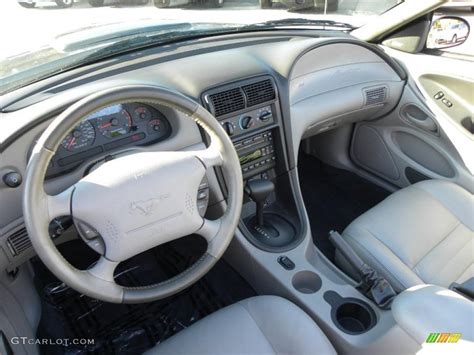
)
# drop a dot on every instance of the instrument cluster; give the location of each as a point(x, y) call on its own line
point(108, 129)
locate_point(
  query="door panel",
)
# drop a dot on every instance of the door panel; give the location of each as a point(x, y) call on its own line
point(409, 145)
point(453, 95)
point(420, 118)
point(430, 74)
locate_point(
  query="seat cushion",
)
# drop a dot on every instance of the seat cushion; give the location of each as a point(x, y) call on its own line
point(413, 312)
point(420, 234)
point(258, 325)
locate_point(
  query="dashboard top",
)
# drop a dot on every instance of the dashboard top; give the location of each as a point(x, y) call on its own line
point(174, 67)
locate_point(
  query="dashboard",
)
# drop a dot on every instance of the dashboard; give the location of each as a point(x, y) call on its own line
point(267, 92)
point(111, 128)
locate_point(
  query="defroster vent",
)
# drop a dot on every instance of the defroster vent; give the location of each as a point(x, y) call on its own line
point(260, 92)
point(227, 101)
point(18, 241)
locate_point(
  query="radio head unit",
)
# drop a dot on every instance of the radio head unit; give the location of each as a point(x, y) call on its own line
point(256, 153)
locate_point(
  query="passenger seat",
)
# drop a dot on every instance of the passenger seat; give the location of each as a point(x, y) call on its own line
point(420, 234)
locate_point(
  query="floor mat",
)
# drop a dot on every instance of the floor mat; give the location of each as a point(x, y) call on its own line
point(333, 198)
point(132, 329)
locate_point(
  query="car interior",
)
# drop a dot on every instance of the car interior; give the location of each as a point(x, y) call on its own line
point(287, 191)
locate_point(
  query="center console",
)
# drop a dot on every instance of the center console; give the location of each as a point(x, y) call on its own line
point(249, 111)
point(273, 247)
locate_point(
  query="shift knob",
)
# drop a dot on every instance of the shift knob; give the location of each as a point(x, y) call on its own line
point(258, 190)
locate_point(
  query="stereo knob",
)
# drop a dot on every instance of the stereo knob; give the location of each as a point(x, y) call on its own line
point(229, 128)
point(246, 122)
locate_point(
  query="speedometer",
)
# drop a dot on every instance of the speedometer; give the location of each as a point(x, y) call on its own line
point(115, 125)
point(81, 137)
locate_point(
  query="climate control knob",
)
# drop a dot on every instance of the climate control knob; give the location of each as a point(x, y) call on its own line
point(246, 122)
point(229, 128)
point(265, 116)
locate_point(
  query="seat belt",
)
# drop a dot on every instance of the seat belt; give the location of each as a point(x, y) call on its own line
point(377, 288)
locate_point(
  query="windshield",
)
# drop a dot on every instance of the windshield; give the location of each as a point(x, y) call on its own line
point(41, 38)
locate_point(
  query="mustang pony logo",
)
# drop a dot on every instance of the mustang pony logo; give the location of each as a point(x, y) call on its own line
point(145, 208)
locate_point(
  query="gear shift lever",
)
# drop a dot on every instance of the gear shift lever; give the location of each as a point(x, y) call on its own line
point(273, 230)
point(258, 190)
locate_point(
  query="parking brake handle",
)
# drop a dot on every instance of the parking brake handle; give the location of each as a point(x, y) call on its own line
point(374, 286)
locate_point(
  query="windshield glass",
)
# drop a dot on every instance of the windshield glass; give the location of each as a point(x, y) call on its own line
point(41, 38)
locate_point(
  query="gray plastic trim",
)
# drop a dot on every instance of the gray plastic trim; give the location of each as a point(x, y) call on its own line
point(327, 91)
point(20, 309)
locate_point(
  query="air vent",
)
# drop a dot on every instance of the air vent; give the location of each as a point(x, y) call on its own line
point(227, 101)
point(260, 92)
point(375, 95)
point(19, 242)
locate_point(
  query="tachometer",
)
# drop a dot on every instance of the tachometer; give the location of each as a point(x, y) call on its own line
point(115, 125)
point(81, 137)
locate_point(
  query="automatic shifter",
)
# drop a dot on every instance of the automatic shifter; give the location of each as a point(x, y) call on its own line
point(270, 228)
point(258, 190)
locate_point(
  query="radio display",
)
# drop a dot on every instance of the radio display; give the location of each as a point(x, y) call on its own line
point(250, 157)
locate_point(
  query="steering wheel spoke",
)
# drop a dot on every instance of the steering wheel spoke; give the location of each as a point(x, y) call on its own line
point(209, 229)
point(210, 156)
point(104, 269)
point(60, 204)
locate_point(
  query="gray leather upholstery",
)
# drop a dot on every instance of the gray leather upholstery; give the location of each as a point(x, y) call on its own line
point(425, 309)
point(259, 325)
point(420, 234)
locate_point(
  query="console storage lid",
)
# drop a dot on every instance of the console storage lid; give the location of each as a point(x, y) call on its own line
point(425, 309)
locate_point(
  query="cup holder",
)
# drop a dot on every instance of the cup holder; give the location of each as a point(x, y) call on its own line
point(306, 282)
point(351, 315)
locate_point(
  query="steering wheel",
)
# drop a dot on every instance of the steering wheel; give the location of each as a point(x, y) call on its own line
point(166, 183)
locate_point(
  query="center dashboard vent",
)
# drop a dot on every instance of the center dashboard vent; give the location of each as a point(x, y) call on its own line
point(239, 98)
point(227, 101)
point(376, 95)
point(260, 92)
point(18, 241)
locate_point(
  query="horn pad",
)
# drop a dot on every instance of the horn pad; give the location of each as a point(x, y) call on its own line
point(139, 201)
